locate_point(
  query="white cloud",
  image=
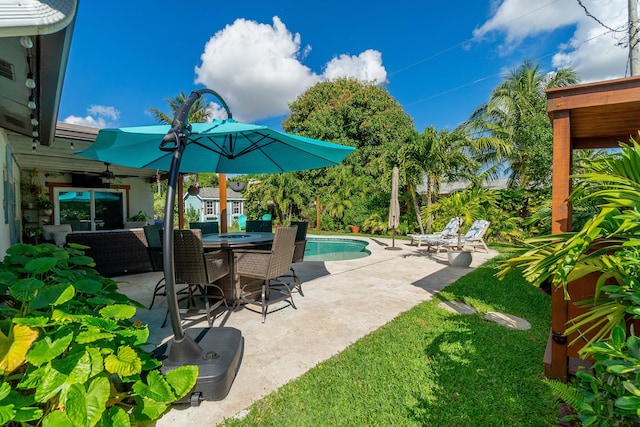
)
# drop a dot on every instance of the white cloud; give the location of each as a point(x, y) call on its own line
point(100, 116)
point(258, 70)
point(103, 110)
point(366, 67)
point(593, 51)
point(520, 19)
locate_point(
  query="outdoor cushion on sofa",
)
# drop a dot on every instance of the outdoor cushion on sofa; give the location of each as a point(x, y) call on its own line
point(57, 233)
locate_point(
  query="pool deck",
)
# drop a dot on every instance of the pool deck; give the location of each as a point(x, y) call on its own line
point(343, 301)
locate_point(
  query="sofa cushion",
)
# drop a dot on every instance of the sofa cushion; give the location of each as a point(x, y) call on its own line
point(57, 233)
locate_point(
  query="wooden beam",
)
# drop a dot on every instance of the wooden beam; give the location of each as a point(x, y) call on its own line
point(608, 93)
point(561, 207)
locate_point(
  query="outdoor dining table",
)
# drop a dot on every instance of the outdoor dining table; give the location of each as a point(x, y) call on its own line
point(227, 242)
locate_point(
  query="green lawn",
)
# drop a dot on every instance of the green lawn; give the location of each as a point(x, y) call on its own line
point(430, 367)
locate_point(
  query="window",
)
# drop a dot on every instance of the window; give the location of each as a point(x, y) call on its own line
point(236, 208)
point(210, 208)
point(90, 209)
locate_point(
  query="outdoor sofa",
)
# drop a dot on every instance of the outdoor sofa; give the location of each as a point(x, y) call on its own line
point(116, 252)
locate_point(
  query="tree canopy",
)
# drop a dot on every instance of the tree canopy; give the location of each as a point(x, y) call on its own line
point(515, 119)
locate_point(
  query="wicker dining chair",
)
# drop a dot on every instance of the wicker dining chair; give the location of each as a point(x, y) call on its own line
point(259, 226)
point(153, 234)
point(207, 227)
point(298, 254)
point(267, 266)
point(198, 269)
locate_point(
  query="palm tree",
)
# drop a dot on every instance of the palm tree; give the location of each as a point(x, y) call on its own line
point(516, 116)
point(437, 155)
point(199, 113)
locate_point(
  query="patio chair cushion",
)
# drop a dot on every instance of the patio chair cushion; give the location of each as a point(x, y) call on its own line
point(57, 233)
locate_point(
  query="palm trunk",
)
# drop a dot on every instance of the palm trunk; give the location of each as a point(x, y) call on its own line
point(429, 202)
point(416, 208)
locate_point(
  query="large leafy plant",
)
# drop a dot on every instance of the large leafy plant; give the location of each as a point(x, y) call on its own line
point(605, 245)
point(69, 353)
point(608, 394)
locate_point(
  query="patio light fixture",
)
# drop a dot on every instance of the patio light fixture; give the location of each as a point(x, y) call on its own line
point(27, 43)
point(30, 82)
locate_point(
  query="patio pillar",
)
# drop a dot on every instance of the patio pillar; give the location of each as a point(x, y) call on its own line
point(560, 222)
point(561, 183)
point(222, 185)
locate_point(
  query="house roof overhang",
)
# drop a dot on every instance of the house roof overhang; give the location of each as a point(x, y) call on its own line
point(49, 24)
point(59, 158)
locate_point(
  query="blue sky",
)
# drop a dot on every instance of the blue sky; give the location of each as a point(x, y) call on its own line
point(439, 60)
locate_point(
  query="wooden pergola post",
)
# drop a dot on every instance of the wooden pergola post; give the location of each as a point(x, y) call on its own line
point(222, 185)
point(560, 222)
point(592, 115)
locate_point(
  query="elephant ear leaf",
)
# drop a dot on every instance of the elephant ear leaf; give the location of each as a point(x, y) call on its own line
point(182, 380)
point(85, 407)
point(125, 363)
point(46, 349)
point(116, 417)
point(156, 388)
point(57, 419)
point(118, 311)
point(14, 348)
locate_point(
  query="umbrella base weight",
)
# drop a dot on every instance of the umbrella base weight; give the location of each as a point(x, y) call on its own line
point(217, 352)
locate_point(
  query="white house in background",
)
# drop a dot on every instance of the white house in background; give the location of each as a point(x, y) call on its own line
point(490, 184)
point(450, 187)
point(207, 204)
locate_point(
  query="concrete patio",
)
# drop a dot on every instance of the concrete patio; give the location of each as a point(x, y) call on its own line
point(343, 301)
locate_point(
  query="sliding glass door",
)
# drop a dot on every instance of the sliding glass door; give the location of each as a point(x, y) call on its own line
point(88, 209)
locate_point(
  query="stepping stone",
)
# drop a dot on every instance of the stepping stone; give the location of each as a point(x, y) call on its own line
point(508, 320)
point(457, 307)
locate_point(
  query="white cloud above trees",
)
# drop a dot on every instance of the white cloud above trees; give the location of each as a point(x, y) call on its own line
point(594, 51)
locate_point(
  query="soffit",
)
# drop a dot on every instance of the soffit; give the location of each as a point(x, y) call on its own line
point(601, 114)
point(49, 24)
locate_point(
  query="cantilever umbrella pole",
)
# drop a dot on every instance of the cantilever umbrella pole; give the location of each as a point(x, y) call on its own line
point(183, 348)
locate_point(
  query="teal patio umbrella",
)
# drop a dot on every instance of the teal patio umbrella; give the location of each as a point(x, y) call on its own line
point(222, 146)
point(85, 196)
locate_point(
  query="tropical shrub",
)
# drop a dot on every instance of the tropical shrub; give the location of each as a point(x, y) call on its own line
point(69, 353)
point(607, 245)
point(603, 245)
point(375, 224)
point(608, 394)
point(192, 214)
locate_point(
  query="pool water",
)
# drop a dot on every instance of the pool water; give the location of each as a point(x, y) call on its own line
point(334, 249)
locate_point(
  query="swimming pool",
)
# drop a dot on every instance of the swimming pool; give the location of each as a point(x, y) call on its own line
point(334, 249)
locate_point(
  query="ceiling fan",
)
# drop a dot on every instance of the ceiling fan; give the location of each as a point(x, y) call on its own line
point(107, 174)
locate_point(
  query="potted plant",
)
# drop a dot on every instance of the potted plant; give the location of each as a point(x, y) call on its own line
point(193, 190)
point(45, 204)
point(34, 233)
point(237, 185)
point(136, 221)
